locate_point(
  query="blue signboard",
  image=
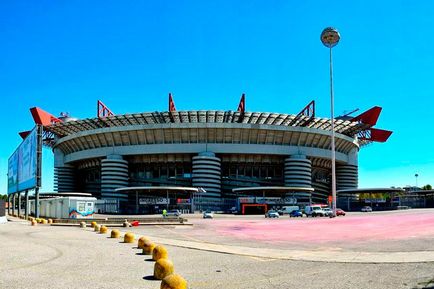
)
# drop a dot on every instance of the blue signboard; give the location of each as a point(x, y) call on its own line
point(22, 165)
point(13, 173)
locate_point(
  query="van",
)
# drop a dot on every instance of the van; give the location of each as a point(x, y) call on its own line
point(288, 209)
point(314, 211)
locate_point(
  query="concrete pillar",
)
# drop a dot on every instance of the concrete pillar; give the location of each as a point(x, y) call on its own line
point(206, 174)
point(114, 174)
point(26, 207)
point(64, 178)
point(36, 202)
point(9, 204)
point(298, 173)
point(13, 204)
point(346, 178)
point(19, 204)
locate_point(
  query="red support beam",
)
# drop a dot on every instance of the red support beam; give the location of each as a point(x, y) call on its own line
point(103, 110)
point(42, 117)
point(375, 134)
point(309, 111)
point(24, 134)
point(242, 105)
point(369, 117)
point(172, 107)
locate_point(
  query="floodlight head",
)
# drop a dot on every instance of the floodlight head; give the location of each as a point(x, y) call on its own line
point(330, 37)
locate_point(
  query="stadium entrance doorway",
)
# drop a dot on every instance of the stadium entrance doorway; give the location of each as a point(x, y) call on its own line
point(258, 200)
point(153, 200)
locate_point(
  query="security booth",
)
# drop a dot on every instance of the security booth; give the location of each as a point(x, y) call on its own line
point(64, 205)
point(379, 199)
point(152, 200)
point(258, 200)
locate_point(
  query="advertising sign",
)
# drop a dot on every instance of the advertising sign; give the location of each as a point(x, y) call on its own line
point(22, 165)
point(13, 173)
point(268, 200)
point(153, 201)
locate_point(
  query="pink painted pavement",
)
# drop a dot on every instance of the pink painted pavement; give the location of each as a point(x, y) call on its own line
point(376, 227)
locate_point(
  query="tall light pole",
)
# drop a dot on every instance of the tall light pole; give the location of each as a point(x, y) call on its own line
point(416, 175)
point(330, 37)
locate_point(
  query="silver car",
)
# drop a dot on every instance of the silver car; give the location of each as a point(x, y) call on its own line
point(272, 214)
point(208, 215)
point(366, 209)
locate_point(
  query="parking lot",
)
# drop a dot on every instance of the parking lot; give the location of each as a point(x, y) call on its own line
point(231, 252)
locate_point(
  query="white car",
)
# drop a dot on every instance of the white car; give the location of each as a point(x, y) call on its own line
point(327, 212)
point(208, 215)
point(366, 209)
point(272, 214)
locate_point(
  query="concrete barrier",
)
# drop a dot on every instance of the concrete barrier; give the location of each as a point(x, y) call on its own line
point(34, 223)
point(103, 229)
point(96, 228)
point(141, 242)
point(50, 221)
point(148, 248)
point(159, 252)
point(115, 234)
point(163, 268)
point(173, 281)
point(82, 224)
point(43, 221)
point(129, 237)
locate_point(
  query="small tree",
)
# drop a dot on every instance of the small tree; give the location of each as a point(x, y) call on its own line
point(427, 187)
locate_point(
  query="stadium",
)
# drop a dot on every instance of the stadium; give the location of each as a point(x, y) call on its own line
point(222, 156)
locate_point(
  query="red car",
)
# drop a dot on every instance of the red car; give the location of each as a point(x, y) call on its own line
point(340, 212)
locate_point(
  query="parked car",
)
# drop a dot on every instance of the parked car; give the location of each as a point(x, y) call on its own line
point(272, 214)
point(208, 214)
point(174, 213)
point(340, 212)
point(314, 211)
point(288, 209)
point(327, 212)
point(366, 209)
point(296, 213)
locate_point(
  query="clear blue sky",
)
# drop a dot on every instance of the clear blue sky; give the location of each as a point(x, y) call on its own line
point(64, 55)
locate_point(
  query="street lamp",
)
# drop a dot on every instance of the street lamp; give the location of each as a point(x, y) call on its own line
point(416, 175)
point(330, 37)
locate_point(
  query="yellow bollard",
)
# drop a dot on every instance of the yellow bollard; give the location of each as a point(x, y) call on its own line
point(50, 221)
point(141, 242)
point(115, 234)
point(159, 252)
point(96, 228)
point(44, 221)
point(148, 248)
point(163, 268)
point(93, 224)
point(173, 281)
point(34, 223)
point(129, 238)
point(103, 230)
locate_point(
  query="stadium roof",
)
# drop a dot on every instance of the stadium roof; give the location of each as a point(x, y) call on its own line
point(360, 126)
point(211, 116)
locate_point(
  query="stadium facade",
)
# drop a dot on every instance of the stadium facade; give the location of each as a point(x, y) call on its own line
point(217, 151)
